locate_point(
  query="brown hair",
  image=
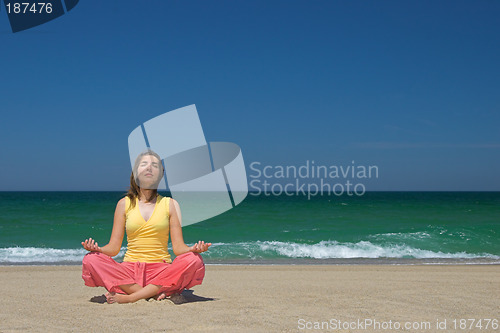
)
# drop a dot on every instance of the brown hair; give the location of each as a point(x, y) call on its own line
point(134, 189)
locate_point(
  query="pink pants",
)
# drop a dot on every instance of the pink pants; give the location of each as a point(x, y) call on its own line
point(186, 271)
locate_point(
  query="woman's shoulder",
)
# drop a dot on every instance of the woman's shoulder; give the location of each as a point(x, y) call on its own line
point(170, 203)
point(122, 205)
point(170, 200)
point(166, 200)
point(123, 202)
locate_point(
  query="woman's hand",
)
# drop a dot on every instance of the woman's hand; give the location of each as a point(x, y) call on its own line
point(91, 245)
point(200, 247)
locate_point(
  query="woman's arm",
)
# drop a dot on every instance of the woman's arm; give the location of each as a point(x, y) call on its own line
point(115, 242)
point(178, 244)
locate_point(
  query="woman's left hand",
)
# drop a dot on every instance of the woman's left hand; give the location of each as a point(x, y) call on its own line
point(200, 247)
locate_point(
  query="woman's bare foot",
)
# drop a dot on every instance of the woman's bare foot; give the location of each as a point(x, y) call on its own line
point(161, 296)
point(117, 298)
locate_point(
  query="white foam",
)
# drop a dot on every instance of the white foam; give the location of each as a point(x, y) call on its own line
point(401, 235)
point(254, 250)
point(42, 255)
point(362, 249)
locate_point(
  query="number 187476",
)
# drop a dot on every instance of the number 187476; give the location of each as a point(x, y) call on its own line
point(26, 7)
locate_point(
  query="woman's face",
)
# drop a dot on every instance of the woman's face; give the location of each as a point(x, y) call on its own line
point(149, 172)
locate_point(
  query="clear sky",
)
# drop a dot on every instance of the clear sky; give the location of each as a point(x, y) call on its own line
point(409, 86)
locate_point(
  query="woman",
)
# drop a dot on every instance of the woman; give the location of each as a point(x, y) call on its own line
point(147, 269)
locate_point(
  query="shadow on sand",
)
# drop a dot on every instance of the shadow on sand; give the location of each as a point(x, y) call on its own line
point(187, 296)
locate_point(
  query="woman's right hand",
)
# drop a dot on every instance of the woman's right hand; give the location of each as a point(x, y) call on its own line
point(91, 245)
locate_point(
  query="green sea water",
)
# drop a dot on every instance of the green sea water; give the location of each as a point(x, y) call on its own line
point(47, 227)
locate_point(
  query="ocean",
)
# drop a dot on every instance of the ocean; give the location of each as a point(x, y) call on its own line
point(46, 228)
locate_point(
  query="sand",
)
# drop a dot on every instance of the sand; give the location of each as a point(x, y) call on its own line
point(239, 298)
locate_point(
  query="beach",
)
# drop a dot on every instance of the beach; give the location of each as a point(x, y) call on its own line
point(383, 262)
point(262, 298)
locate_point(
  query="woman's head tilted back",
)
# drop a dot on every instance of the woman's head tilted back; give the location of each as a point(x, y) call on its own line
point(146, 174)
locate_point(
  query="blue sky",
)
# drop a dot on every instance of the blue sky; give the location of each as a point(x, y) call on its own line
point(409, 86)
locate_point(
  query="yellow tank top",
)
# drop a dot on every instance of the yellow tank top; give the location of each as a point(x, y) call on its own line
point(147, 241)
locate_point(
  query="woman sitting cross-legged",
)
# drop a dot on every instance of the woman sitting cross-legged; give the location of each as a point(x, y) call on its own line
point(147, 269)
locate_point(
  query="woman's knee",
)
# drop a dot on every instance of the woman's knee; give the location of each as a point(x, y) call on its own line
point(192, 259)
point(198, 260)
point(92, 257)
